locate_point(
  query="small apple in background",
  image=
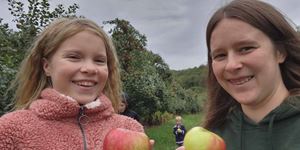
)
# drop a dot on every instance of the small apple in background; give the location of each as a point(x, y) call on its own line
point(199, 138)
point(123, 139)
point(179, 130)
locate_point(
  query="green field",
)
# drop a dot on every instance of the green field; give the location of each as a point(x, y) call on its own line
point(163, 134)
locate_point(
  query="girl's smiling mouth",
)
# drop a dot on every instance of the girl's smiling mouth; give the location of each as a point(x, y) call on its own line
point(85, 83)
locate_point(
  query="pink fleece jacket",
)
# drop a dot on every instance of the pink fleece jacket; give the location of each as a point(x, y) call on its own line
point(51, 123)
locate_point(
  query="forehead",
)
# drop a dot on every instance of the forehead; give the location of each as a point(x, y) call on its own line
point(230, 30)
point(84, 38)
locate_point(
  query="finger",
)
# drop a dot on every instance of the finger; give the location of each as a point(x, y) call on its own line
point(180, 148)
point(152, 141)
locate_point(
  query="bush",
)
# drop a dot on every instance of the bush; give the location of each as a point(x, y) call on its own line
point(159, 118)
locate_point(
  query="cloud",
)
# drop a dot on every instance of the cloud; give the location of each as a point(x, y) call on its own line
point(175, 29)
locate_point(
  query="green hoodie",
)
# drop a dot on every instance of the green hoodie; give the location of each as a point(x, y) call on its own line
point(279, 130)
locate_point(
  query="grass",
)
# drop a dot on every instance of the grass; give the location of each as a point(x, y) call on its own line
point(163, 134)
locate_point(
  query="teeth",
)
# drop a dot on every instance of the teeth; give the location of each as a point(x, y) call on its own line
point(85, 83)
point(241, 81)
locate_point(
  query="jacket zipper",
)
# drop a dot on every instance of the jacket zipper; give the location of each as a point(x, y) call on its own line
point(80, 119)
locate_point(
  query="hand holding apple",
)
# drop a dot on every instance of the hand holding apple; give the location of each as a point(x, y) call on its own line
point(179, 130)
point(123, 139)
point(199, 138)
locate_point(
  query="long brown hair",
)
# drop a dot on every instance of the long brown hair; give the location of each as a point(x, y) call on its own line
point(271, 22)
point(31, 78)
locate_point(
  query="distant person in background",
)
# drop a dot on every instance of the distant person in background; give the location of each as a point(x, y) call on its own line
point(179, 131)
point(124, 110)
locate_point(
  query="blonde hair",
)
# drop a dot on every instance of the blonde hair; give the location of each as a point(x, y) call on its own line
point(31, 78)
point(178, 118)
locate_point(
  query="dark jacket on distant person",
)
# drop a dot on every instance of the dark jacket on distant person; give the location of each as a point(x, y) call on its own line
point(131, 114)
point(179, 136)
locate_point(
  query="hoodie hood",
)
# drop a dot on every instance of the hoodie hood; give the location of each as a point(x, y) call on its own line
point(56, 106)
point(289, 107)
point(241, 133)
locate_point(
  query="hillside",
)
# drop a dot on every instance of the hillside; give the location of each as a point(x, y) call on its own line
point(192, 78)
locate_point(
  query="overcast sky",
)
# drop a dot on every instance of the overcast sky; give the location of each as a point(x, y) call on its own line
point(175, 29)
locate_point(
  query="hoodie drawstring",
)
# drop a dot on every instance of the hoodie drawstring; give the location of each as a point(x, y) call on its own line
point(269, 134)
point(270, 131)
point(242, 132)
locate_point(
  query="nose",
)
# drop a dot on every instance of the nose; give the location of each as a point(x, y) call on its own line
point(233, 62)
point(89, 68)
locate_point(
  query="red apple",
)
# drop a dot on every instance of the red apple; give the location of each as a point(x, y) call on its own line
point(199, 138)
point(123, 139)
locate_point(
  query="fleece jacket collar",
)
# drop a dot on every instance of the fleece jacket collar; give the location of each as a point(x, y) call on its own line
point(55, 106)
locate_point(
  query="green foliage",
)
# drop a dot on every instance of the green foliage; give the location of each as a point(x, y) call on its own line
point(143, 84)
point(126, 39)
point(182, 100)
point(187, 90)
point(13, 44)
point(194, 78)
point(159, 117)
point(147, 78)
point(8, 58)
point(142, 71)
point(39, 15)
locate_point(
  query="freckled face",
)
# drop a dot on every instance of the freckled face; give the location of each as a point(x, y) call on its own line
point(79, 68)
point(245, 62)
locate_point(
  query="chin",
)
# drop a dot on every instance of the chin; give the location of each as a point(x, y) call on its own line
point(86, 100)
point(246, 101)
point(245, 98)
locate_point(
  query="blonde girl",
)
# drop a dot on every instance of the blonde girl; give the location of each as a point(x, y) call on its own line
point(67, 90)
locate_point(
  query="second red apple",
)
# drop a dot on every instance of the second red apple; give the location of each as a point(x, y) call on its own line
point(123, 139)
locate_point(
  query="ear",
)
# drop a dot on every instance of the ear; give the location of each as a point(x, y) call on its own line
point(46, 66)
point(281, 56)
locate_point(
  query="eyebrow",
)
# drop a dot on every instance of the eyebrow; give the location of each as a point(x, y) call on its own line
point(236, 44)
point(78, 51)
point(244, 42)
point(71, 50)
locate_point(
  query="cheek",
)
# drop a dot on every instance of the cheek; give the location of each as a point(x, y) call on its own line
point(103, 75)
point(60, 70)
point(217, 69)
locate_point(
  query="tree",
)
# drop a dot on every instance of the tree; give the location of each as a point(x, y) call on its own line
point(126, 39)
point(143, 72)
point(38, 16)
point(146, 77)
point(143, 84)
